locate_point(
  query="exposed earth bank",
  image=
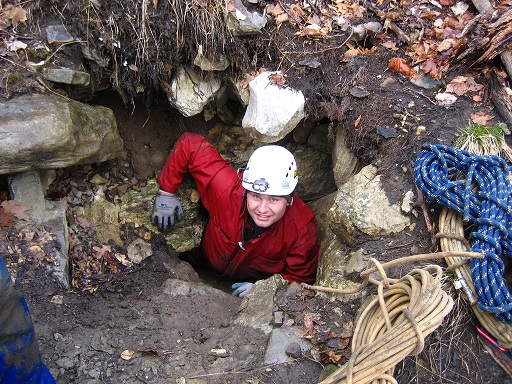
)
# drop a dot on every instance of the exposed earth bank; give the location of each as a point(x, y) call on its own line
point(133, 328)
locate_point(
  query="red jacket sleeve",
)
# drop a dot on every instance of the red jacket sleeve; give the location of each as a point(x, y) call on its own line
point(192, 154)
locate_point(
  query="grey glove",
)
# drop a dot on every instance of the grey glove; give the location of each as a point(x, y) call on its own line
point(165, 207)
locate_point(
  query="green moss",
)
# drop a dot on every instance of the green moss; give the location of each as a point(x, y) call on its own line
point(37, 55)
point(12, 78)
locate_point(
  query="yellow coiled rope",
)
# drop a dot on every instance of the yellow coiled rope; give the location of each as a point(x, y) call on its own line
point(396, 322)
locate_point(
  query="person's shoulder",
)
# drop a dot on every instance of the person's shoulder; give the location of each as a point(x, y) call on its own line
point(299, 212)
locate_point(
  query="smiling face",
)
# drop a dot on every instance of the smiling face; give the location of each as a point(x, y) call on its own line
point(265, 210)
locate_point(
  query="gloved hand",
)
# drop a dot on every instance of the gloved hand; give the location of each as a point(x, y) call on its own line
point(165, 207)
point(241, 289)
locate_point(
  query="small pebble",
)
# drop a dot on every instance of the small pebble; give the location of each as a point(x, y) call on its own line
point(294, 350)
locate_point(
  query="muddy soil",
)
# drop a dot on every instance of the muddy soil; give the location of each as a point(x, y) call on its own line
point(130, 329)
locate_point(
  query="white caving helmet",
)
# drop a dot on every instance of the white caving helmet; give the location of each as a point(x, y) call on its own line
point(271, 170)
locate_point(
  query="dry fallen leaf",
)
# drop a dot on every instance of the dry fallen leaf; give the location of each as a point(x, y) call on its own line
point(397, 64)
point(5, 218)
point(16, 209)
point(280, 19)
point(13, 15)
point(277, 78)
point(356, 123)
point(481, 118)
point(313, 30)
point(391, 45)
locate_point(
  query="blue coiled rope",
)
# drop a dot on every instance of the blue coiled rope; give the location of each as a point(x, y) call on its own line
point(478, 188)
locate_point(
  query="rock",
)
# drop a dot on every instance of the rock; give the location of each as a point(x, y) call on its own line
point(273, 111)
point(241, 92)
point(302, 131)
point(105, 217)
point(311, 62)
point(256, 307)
point(278, 318)
point(57, 34)
point(218, 63)
point(426, 81)
point(359, 93)
point(357, 263)
point(189, 92)
point(66, 76)
point(345, 164)
point(279, 343)
point(138, 251)
point(93, 55)
point(29, 190)
point(294, 350)
point(175, 287)
point(242, 22)
point(45, 132)
point(360, 31)
point(332, 261)
point(361, 206)
point(136, 207)
point(408, 202)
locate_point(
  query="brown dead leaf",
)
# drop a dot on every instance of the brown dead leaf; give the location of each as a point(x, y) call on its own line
point(461, 85)
point(356, 123)
point(357, 10)
point(12, 15)
point(391, 45)
point(5, 218)
point(282, 18)
point(434, 68)
point(16, 209)
point(274, 9)
point(445, 45)
point(277, 78)
point(446, 2)
point(397, 64)
point(481, 118)
point(101, 252)
point(297, 12)
point(155, 3)
point(308, 323)
point(313, 30)
point(352, 51)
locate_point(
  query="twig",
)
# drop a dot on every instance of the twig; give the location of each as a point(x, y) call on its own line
point(240, 372)
point(58, 49)
point(12, 62)
point(323, 50)
point(421, 94)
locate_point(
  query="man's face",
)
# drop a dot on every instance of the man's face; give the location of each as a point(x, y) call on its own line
point(265, 210)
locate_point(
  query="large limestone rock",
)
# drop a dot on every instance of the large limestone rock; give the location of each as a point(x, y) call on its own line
point(189, 92)
point(242, 22)
point(344, 161)
point(45, 132)
point(29, 189)
point(361, 207)
point(332, 262)
point(273, 111)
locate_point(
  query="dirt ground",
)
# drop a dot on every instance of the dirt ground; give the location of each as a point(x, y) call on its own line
point(129, 329)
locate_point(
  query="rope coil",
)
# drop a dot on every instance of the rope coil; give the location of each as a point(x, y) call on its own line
point(393, 325)
point(478, 188)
